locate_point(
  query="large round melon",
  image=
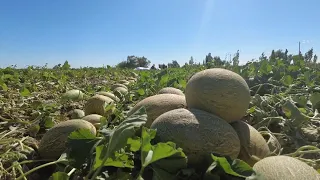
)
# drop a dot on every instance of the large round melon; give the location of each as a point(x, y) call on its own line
point(97, 104)
point(285, 168)
point(170, 90)
point(114, 86)
point(121, 90)
point(110, 95)
point(159, 104)
point(220, 92)
point(53, 143)
point(253, 145)
point(76, 114)
point(94, 119)
point(198, 133)
point(124, 82)
point(73, 94)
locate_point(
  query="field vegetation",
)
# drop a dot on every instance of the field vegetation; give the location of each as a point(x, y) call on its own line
point(284, 109)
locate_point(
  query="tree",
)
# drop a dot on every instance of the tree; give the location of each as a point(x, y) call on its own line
point(315, 58)
point(174, 64)
point(209, 58)
point(66, 65)
point(308, 56)
point(191, 62)
point(134, 61)
point(217, 61)
point(235, 59)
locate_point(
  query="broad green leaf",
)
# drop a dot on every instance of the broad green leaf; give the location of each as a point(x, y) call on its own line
point(226, 168)
point(315, 99)
point(121, 160)
point(302, 100)
point(287, 80)
point(141, 92)
point(79, 145)
point(119, 137)
point(48, 122)
point(3, 86)
point(59, 176)
point(25, 92)
point(297, 118)
point(164, 80)
point(134, 143)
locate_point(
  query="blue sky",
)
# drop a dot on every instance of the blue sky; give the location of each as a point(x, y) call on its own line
point(102, 32)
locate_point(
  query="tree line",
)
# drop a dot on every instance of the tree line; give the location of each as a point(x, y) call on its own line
point(134, 61)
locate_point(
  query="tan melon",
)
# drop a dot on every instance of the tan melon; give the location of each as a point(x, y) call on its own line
point(53, 143)
point(198, 133)
point(159, 104)
point(220, 92)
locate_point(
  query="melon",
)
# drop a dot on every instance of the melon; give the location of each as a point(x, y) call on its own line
point(285, 168)
point(94, 119)
point(220, 92)
point(97, 104)
point(114, 86)
point(158, 104)
point(170, 90)
point(121, 90)
point(76, 114)
point(198, 133)
point(253, 146)
point(110, 95)
point(73, 94)
point(124, 82)
point(53, 143)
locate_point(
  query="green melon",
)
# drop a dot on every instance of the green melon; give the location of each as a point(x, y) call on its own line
point(73, 95)
point(53, 143)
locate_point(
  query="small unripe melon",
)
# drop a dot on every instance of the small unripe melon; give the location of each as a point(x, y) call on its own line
point(73, 94)
point(253, 146)
point(159, 104)
point(220, 92)
point(76, 114)
point(122, 90)
point(114, 86)
point(170, 90)
point(94, 119)
point(110, 95)
point(53, 143)
point(285, 168)
point(97, 104)
point(198, 133)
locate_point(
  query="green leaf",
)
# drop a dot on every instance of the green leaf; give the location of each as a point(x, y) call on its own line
point(81, 134)
point(59, 176)
point(225, 168)
point(48, 122)
point(3, 86)
point(119, 138)
point(141, 92)
point(297, 118)
point(315, 99)
point(120, 160)
point(287, 80)
point(25, 92)
point(134, 143)
point(79, 145)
